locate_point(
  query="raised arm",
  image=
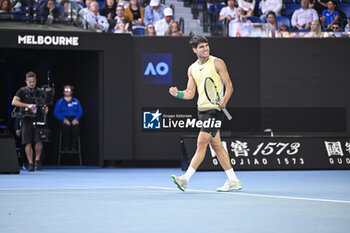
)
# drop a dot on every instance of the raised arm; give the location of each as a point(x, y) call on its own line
point(190, 91)
point(221, 69)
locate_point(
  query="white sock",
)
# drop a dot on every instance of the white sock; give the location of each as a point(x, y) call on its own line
point(190, 171)
point(231, 175)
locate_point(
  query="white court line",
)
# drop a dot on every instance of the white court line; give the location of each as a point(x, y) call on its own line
point(50, 191)
point(257, 195)
point(154, 187)
point(71, 188)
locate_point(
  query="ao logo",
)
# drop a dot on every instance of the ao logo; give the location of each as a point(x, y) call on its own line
point(161, 69)
point(156, 68)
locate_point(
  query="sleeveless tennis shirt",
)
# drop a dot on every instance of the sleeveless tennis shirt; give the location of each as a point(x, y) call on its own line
point(199, 72)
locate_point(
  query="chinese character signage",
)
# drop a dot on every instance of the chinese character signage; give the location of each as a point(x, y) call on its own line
point(261, 152)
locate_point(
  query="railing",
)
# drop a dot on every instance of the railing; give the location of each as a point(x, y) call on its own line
point(182, 25)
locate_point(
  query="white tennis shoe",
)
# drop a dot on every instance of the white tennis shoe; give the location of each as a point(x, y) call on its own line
point(180, 181)
point(230, 185)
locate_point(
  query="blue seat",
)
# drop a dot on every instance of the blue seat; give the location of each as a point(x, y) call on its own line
point(215, 8)
point(254, 19)
point(214, 12)
point(289, 1)
point(345, 7)
point(284, 20)
point(138, 30)
point(101, 4)
point(289, 9)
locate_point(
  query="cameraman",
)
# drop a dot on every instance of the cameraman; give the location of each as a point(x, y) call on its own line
point(25, 98)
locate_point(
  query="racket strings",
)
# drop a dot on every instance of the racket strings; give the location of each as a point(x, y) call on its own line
point(211, 92)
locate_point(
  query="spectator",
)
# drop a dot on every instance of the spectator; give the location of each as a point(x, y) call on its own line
point(318, 5)
point(24, 99)
point(5, 6)
point(329, 16)
point(96, 21)
point(336, 27)
point(174, 29)
point(85, 10)
point(236, 28)
point(153, 12)
point(149, 30)
point(122, 27)
point(267, 6)
point(69, 111)
point(120, 12)
point(228, 12)
point(49, 12)
point(66, 6)
point(134, 13)
point(347, 27)
point(272, 25)
point(302, 18)
point(6, 10)
point(161, 26)
point(321, 5)
point(109, 9)
point(315, 30)
point(248, 6)
point(283, 31)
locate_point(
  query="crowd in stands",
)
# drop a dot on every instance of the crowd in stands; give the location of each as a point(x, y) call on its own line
point(276, 18)
point(124, 16)
point(283, 18)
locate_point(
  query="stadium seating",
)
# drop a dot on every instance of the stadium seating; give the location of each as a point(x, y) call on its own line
point(254, 19)
point(290, 2)
point(345, 7)
point(101, 4)
point(289, 9)
point(138, 30)
point(284, 20)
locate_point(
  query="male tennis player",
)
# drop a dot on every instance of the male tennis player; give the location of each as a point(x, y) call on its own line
point(207, 66)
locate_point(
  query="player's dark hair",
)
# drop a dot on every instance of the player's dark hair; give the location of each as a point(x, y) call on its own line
point(30, 74)
point(196, 40)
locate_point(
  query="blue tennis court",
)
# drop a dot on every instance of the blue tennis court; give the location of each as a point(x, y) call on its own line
point(92, 199)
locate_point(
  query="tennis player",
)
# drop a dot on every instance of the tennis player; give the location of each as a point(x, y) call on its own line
point(207, 66)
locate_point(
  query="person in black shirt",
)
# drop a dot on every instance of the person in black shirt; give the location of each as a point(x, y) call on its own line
point(24, 99)
point(109, 9)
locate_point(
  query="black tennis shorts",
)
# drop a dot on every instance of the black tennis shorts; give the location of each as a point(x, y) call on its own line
point(213, 114)
point(30, 133)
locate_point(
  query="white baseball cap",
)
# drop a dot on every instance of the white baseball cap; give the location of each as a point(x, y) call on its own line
point(168, 11)
point(154, 3)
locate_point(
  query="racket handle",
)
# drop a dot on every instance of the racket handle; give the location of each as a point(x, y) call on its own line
point(229, 117)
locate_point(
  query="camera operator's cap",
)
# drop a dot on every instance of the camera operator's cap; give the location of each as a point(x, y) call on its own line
point(168, 11)
point(154, 3)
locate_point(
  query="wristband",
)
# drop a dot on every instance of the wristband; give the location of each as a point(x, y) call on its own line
point(180, 95)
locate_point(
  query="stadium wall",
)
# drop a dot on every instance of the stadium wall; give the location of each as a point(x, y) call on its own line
point(292, 86)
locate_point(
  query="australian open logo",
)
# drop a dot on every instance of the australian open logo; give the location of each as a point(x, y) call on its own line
point(157, 68)
point(152, 119)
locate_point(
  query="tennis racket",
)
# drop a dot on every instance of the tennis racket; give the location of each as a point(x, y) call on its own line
point(211, 91)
